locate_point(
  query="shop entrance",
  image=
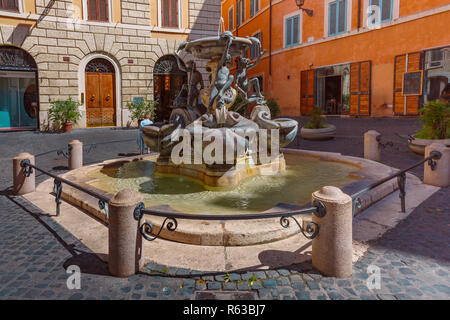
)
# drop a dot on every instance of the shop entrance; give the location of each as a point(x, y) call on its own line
point(19, 105)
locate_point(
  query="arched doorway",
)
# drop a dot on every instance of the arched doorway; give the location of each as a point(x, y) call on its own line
point(100, 93)
point(168, 79)
point(19, 103)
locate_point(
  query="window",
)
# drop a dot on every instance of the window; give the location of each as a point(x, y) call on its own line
point(240, 12)
point(254, 7)
point(98, 10)
point(253, 50)
point(292, 30)
point(170, 13)
point(230, 19)
point(384, 12)
point(9, 5)
point(337, 17)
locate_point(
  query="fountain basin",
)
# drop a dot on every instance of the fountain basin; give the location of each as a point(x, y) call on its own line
point(356, 173)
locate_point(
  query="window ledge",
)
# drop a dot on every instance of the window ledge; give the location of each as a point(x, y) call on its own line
point(16, 14)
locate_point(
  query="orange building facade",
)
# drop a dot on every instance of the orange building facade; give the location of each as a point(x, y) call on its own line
point(350, 57)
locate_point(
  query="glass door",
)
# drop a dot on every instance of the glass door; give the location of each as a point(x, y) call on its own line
point(18, 100)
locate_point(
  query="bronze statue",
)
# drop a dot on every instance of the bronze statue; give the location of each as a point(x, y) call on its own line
point(243, 85)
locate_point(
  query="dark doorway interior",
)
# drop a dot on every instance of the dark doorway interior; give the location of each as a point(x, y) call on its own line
point(333, 94)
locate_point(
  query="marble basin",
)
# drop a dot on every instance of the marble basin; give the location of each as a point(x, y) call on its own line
point(209, 47)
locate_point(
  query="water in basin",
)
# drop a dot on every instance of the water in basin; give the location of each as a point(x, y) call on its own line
point(303, 176)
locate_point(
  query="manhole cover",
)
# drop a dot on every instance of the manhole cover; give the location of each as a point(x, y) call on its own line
point(219, 295)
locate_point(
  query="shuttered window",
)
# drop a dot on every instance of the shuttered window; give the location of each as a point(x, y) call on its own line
point(9, 5)
point(360, 88)
point(170, 13)
point(337, 17)
point(254, 7)
point(385, 10)
point(98, 10)
point(292, 30)
point(254, 48)
point(238, 13)
point(230, 19)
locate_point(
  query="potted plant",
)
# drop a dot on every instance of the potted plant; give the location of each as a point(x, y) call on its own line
point(64, 113)
point(140, 108)
point(315, 129)
point(435, 117)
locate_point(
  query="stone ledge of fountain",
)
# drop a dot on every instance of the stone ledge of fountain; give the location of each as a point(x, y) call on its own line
point(235, 233)
point(221, 177)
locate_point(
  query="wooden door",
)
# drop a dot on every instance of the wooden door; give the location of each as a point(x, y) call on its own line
point(307, 81)
point(100, 99)
point(406, 105)
point(360, 88)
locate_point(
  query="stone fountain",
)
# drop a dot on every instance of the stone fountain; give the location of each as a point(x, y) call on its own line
point(252, 143)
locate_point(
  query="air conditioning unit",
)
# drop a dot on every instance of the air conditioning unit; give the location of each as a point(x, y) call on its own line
point(436, 61)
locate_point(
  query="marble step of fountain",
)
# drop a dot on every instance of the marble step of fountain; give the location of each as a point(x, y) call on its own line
point(368, 226)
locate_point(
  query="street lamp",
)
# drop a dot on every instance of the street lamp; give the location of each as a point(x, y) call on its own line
point(300, 4)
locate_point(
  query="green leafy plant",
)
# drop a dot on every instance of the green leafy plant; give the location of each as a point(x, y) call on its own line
point(141, 108)
point(315, 119)
point(242, 110)
point(64, 111)
point(252, 280)
point(273, 107)
point(435, 117)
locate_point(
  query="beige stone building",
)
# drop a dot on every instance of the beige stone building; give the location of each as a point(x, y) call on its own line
point(103, 53)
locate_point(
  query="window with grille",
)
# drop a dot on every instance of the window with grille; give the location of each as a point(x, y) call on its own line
point(98, 10)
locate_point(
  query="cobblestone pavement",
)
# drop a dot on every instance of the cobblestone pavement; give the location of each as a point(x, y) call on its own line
point(413, 258)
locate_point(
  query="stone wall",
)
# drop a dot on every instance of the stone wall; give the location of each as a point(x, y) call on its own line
point(60, 48)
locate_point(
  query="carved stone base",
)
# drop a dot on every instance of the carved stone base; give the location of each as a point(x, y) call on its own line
point(221, 176)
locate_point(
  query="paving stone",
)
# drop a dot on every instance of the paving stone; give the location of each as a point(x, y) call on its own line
point(243, 286)
point(272, 273)
point(313, 285)
point(264, 293)
point(283, 272)
point(270, 283)
point(335, 295)
point(213, 285)
point(386, 297)
point(283, 281)
point(260, 274)
point(302, 295)
point(229, 286)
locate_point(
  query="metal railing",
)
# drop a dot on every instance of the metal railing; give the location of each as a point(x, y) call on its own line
point(310, 232)
point(401, 180)
point(57, 187)
point(170, 218)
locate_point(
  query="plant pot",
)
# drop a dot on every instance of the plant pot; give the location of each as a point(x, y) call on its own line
point(319, 134)
point(67, 127)
point(418, 145)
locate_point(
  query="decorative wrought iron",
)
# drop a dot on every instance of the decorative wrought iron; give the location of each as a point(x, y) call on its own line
point(63, 152)
point(311, 231)
point(12, 58)
point(147, 228)
point(57, 188)
point(167, 65)
point(27, 170)
point(434, 155)
point(401, 179)
point(103, 205)
point(321, 209)
point(100, 65)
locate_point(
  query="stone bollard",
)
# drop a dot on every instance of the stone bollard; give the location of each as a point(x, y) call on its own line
point(372, 145)
point(332, 247)
point(22, 184)
point(440, 176)
point(125, 255)
point(75, 154)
